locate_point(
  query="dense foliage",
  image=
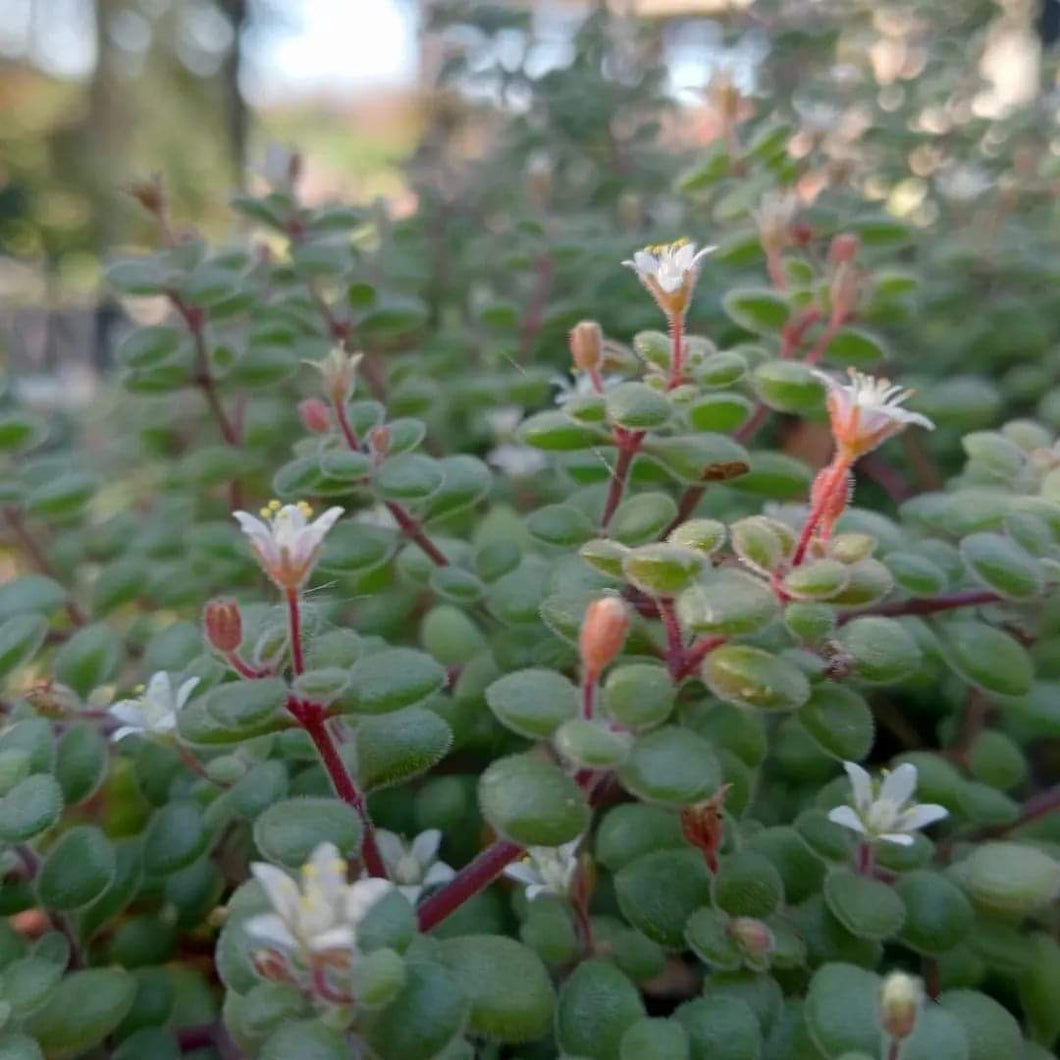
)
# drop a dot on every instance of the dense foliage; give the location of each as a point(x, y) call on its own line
point(699, 702)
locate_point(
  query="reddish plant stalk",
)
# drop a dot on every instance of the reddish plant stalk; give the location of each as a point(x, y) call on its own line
point(927, 605)
point(821, 345)
point(866, 859)
point(694, 655)
point(675, 645)
point(753, 424)
point(476, 876)
point(29, 544)
point(314, 721)
point(294, 624)
point(535, 311)
point(409, 526)
point(629, 443)
point(588, 696)
point(243, 668)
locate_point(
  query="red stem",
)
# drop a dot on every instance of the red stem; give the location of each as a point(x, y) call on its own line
point(929, 605)
point(753, 424)
point(472, 878)
point(294, 622)
point(1039, 806)
point(775, 268)
point(866, 859)
point(675, 644)
point(629, 444)
point(535, 311)
point(315, 724)
point(29, 544)
point(243, 668)
point(402, 516)
point(696, 654)
point(931, 978)
point(588, 695)
point(819, 347)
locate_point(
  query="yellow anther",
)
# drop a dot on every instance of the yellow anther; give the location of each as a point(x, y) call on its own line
point(139, 690)
point(274, 505)
point(305, 508)
point(265, 512)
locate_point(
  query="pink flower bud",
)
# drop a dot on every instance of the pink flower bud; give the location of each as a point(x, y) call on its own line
point(587, 345)
point(224, 625)
point(379, 440)
point(314, 415)
point(844, 249)
point(753, 937)
point(603, 633)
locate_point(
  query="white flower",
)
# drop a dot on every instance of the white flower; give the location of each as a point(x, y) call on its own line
point(669, 271)
point(885, 809)
point(546, 870)
point(155, 710)
point(867, 411)
point(774, 217)
point(286, 542)
point(413, 866)
point(580, 386)
point(319, 917)
point(503, 421)
point(519, 461)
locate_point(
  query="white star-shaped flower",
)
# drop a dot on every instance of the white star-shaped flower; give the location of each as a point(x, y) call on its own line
point(669, 272)
point(287, 543)
point(546, 870)
point(885, 809)
point(866, 411)
point(413, 866)
point(155, 711)
point(319, 917)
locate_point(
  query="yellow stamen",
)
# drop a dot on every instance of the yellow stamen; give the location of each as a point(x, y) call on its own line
point(305, 508)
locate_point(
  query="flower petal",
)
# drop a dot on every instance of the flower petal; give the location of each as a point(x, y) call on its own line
point(524, 873)
point(921, 816)
point(279, 888)
point(898, 786)
point(363, 894)
point(439, 872)
point(860, 784)
point(270, 929)
point(900, 838)
point(424, 847)
point(845, 816)
point(185, 691)
point(391, 847)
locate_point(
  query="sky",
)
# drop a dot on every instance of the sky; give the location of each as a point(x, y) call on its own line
point(316, 46)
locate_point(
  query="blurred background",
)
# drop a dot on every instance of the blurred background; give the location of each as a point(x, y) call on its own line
point(902, 100)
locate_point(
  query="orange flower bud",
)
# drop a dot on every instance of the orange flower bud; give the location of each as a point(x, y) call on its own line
point(379, 440)
point(702, 826)
point(603, 633)
point(844, 249)
point(224, 625)
point(587, 345)
point(314, 415)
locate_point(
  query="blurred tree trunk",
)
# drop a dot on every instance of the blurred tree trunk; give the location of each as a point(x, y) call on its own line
point(237, 114)
point(107, 126)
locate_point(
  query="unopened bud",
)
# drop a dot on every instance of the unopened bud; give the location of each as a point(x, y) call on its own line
point(603, 633)
point(314, 415)
point(587, 345)
point(752, 936)
point(702, 826)
point(844, 248)
point(845, 290)
point(224, 625)
point(379, 440)
point(339, 370)
point(900, 998)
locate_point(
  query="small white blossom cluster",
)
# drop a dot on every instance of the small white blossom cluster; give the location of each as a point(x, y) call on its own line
point(884, 809)
point(546, 870)
point(153, 712)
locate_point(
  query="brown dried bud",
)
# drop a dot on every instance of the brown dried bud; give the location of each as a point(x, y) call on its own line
point(224, 625)
point(900, 998)
point(603, 633)
point(702, 826)
point(752, 936)
point(844, 248)
point(314, 415)
point(587, 345)
point(149, 194)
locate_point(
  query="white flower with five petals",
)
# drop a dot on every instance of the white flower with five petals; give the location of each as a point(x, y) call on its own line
point(866, 411)
point(884, 809)
point(319, 917)
point(286, 541)
point(546, 870)
point(669, 271)
point(155, 711)
point(413, 866)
